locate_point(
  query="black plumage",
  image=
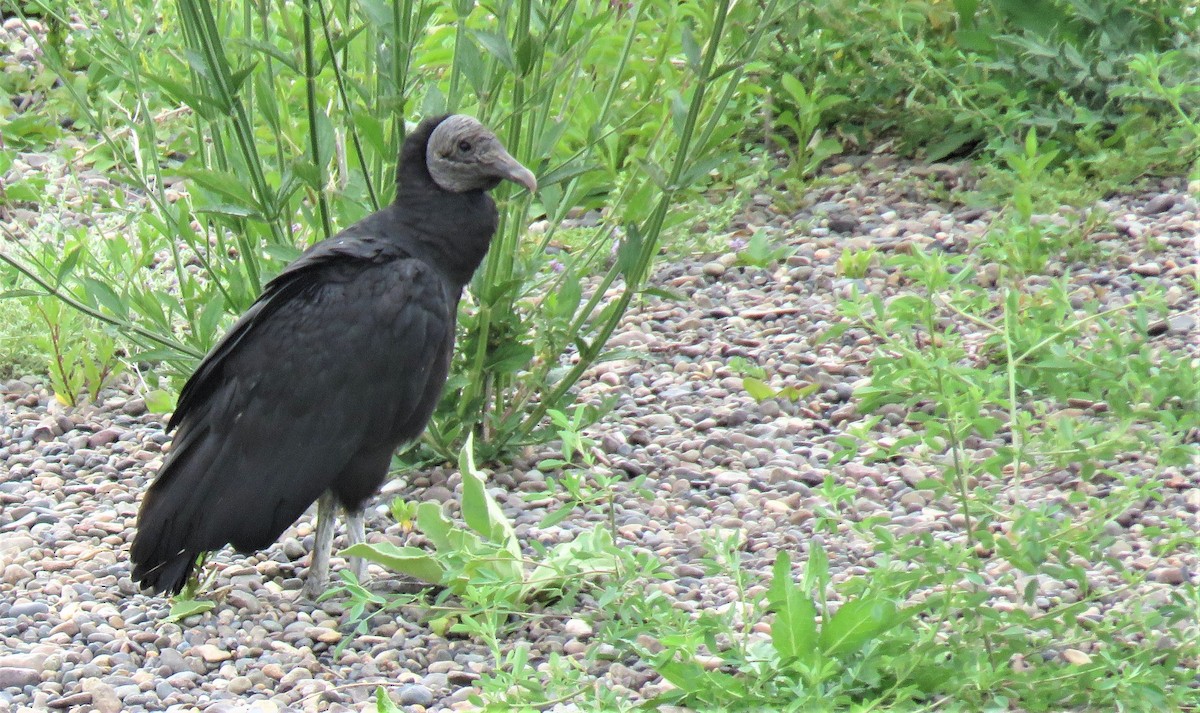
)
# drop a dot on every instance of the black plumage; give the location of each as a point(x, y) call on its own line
point(342, 359)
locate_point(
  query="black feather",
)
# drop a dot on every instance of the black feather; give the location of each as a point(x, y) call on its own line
point(341, 360)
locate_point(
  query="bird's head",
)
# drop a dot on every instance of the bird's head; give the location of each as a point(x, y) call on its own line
point(464, 155)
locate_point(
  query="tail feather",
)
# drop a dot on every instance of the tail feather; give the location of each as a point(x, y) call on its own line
point(169, 534)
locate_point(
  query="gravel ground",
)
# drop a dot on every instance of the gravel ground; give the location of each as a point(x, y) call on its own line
point(76, 635)
point(74, 632)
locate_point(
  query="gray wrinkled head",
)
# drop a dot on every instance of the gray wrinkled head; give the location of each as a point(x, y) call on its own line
point(464, 155)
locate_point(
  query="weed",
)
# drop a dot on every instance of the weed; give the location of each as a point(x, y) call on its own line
point(854, 264)
point(760, 252)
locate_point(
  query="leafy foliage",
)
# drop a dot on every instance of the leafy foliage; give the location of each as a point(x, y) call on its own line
point(266, 164)
point(949, 77)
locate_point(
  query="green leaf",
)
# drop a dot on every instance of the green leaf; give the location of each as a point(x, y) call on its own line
point(629, 253)
point(270, 50)
point(370, 130)
point(479, 509)
point(229, 210)
point(558, 515)
point(21, 293)
point(239, 77)
point(567, 298)
point(757, 388)
point(816, 570)
point(183, 608)
point(67, 265)
point(664, 294)
point(691, 50)
point(383, 704)
point(208, 107)
point(325, 138)
point(856, 623)
point(979, 41)
point(432, 521)
point(794, 632)
point(796, 89)
point(693, 678)
point(966, 11)
point(685, 675)
point(948, 144)
point(510, 358)
point(565, 173)
point(412, 561)
point(102, 294)
point(159, 401)
point(497, 45)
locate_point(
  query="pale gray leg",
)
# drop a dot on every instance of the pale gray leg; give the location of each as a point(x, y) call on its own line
point(356, 531)
point(318, 568)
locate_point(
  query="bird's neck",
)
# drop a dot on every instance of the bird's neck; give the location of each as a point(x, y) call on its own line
point(451, 231)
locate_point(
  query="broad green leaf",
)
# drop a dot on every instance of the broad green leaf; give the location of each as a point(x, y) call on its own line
point(104, 295)
point(629, 253)
point(229, 210)
point(434, 524)
point(693, 678)
point(664, 294)
point(412, 561)
point(288, 60)
point(159, 401)
point(371, 132)
point(795, 88)
point(325, 138)
point(816, 570)
point(479, 509)
point(568, 297)
point(856, 623)
point(565, 173)
point(691, 50)
point(497, 45)
point(979, 41)
point(68, 264)
point(794, 632)
point(757, 388)
point(510, 358)
point(183, 608)
point(684, 675)
point(383, 702)
point(21, 293)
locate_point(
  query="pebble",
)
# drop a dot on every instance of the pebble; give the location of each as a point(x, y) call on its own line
point(414, 694)
point(14, 677)
point(577, 628)
point(211, 654)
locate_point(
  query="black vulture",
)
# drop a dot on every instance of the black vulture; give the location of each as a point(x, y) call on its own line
point(342, 359)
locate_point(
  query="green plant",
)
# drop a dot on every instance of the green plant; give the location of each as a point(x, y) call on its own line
point(1165, 77)
point(754, 381)
point(854, 264)
point(760, 252)
point(1038, 353)
point(814, 657)
point(82, 361)
point(803, 119)
point(489, 551)
point(19, 355)
point(946, 79)
point(586, 487)
point(186, 604)
point(271, 164)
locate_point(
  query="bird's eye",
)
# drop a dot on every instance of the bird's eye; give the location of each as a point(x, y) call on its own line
point(464, 146)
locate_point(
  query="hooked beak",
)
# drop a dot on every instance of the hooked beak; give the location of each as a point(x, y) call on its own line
point(510, 169)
